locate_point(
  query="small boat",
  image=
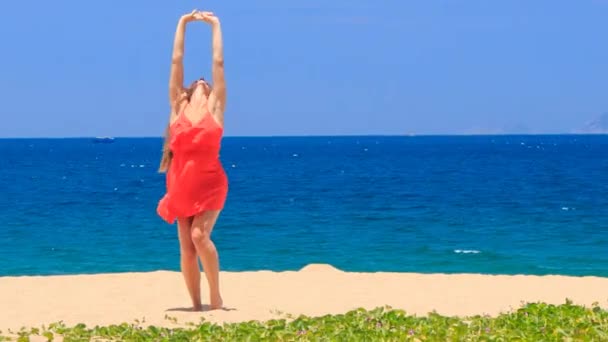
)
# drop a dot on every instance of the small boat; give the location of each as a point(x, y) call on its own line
point(103, 140)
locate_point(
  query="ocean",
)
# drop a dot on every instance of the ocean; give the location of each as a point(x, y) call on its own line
point(428, 204)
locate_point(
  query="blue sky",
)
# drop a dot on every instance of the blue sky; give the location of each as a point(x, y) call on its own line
point(315, 67)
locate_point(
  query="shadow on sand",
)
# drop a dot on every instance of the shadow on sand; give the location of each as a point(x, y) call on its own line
point(206, 308)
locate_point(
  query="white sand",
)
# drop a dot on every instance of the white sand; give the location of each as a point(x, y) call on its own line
point(315, 290)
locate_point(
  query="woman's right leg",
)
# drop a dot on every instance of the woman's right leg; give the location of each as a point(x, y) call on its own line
point(189, 262)
point(202, 226)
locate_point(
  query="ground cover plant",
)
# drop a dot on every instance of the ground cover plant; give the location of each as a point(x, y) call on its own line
point(531, 322)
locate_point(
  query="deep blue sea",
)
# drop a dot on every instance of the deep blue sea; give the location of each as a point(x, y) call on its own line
point(474, 204)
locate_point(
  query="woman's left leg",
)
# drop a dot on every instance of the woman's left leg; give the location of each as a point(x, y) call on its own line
point(202, 226)
point(189, 262)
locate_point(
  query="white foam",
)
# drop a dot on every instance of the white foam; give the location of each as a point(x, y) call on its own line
point(466, 251)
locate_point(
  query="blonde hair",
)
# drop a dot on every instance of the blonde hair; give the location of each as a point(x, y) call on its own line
point(167, 156)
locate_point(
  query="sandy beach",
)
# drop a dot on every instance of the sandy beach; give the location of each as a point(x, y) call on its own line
point(104, 299)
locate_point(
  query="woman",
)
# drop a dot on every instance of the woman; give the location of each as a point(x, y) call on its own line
point(196, 183)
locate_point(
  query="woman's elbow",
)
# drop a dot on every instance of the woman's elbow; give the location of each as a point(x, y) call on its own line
point(177, 59)
point(218, 62)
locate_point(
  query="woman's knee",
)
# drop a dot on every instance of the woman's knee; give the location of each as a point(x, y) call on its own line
point(200, 236)
point(187, 248)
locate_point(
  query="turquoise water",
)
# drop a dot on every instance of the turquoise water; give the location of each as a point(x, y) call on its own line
point(485, 204)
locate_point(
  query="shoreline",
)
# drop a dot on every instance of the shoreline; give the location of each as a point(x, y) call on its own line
point(315, 290)
point(8, 276)
point(459, 274)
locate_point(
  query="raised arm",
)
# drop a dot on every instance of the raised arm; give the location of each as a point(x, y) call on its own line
point(217, 66)
point(218, 94)
point(176, 79)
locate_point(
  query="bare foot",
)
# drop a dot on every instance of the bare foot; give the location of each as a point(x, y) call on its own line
point(197, 307)
point(217, 303)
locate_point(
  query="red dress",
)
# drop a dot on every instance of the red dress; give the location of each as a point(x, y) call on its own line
point(196, 180)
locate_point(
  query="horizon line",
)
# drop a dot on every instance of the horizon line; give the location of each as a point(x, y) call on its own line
point(318, 135)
